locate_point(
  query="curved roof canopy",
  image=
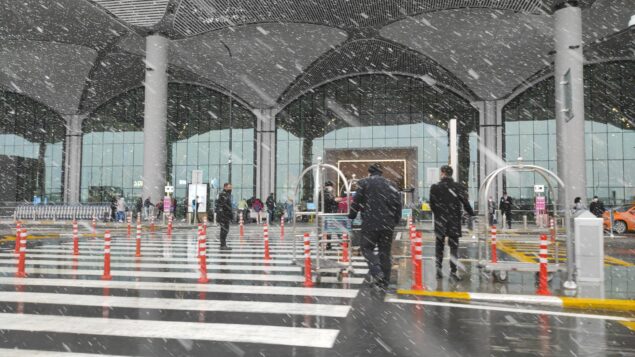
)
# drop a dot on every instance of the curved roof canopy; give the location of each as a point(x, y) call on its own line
point(73, 55)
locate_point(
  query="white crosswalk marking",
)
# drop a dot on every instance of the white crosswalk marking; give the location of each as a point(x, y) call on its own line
point(263, 295)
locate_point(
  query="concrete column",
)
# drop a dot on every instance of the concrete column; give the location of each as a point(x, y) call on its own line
point(569, 101)
point(490, 145)
point(155, 117)
point(73, 157)
point(265, 151)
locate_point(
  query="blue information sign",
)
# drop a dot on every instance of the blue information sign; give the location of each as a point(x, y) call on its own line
point(335, 224)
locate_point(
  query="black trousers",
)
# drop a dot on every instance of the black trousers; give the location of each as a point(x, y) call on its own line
point(508, 217)
point(379, 264)
point(224, 230)
point(453, 242)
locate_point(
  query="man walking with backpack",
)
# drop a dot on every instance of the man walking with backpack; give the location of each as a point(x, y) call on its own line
point(447, 199)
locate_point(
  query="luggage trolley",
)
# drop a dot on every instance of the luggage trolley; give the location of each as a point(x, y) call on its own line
point(324, 223)
point(500, 269)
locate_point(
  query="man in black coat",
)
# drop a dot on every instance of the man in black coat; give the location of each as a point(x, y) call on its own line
point(597, 207)
point(380, 204)
point(224, 213)
point(505, 206)
point(447, 199)
point(271, 208)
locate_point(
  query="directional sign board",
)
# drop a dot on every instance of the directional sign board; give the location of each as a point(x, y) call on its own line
point(337, 224)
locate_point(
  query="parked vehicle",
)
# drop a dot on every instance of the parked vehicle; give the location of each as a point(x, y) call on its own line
point(623, 219)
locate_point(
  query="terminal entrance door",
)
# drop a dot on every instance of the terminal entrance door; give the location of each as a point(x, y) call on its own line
point(399, 165)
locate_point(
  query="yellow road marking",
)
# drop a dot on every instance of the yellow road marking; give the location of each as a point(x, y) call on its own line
point(528, 255)
point(439, 294)
point(600, 304)
point(630, 325)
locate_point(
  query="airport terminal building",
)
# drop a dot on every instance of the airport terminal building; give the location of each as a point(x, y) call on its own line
point(100, 97)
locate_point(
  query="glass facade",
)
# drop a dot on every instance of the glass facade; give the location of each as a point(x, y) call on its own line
point(112, 149)
point(31, 150)
point(530, 132)
point(375, 112)
point(200, 136)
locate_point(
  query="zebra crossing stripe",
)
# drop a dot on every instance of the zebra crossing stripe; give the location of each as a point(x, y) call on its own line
point(177, 304)
point(36, 256)
point(263, 334)
point(274, 255)
point(6, 352)
point(191, 266)
point(183, 275)
point(209, 288)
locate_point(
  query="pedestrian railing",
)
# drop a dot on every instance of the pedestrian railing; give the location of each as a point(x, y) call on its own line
point(62, 212)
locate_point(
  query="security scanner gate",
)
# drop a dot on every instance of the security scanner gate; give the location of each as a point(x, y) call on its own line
point(334, 224)
point(499, 269)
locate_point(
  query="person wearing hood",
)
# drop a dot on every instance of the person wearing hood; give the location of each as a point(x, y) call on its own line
point(447, 199)
point(224, 213)
point(380, 205)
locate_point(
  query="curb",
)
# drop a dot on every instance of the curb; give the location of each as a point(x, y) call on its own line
point(556, 301)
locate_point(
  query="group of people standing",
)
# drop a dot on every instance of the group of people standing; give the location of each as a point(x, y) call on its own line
point(144, 209)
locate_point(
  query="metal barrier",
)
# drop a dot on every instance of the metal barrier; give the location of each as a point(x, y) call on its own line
point(62, 212)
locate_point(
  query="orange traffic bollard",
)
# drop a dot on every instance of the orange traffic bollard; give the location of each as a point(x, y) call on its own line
point(413, 235)
point(265, 229)
point(106, 275)
point(94, 225)
point(22, 258)
point(202, 258)
point(129, 225)
point(138, 247)
point(170, 225)
point(242, 227)
point(543, 289)
point(18, 234)
point(152, 224)
point(75, 238)
point(345, 258)
point(417, 283)
point(552, 230)
point(281, 228)
point(308, 281)
point(494, 256)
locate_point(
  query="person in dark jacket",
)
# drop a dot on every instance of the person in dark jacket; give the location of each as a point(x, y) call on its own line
point(380, 205)
point(224, 213)
point(597, 207)
point(505, 206)
point(447, 199)
point(271, 207)
point(330, 204)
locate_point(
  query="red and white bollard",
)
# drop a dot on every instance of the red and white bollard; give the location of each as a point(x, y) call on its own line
point(169, 224)
point(413, 235)
point(205, 228)
point(106, 275)
point(75, 238)
point(417, 283)
point(265, 230)
point(308, 281)
point(202, 257)
point(494, 256)
point(138, 247)
point(543, 289)
point(552, 229)
point(242, 226)
point(18, 234)
point(152, 224)
point(94, 225)
point(129, 225)
point(22, 257)
point(282, 228)
point(409, 220)
point(345, 258)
